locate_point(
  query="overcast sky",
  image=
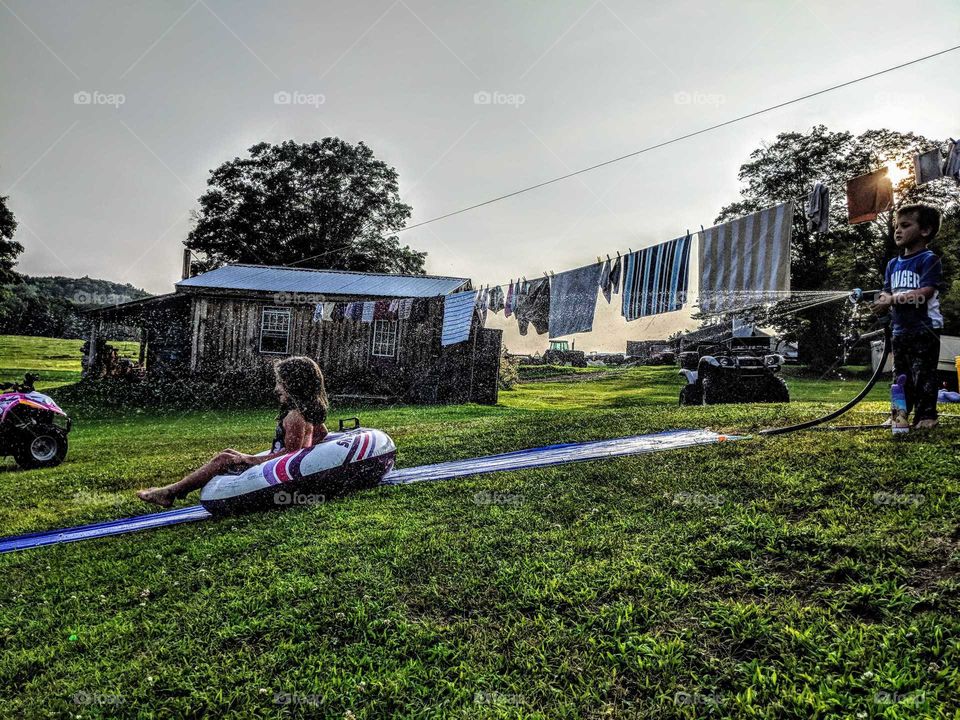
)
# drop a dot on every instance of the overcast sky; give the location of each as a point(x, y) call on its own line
point(468, 100)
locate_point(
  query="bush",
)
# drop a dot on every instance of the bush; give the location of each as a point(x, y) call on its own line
point(509, 370)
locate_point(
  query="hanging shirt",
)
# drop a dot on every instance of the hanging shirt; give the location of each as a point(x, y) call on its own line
point(818, 209)
point(508, 303)
point(746, 261)
point(868, 196)
point(533, 306)
point(951, 166)
point(496, 298)
point(912, 272)
point(573, 300)
point(458, 309)
point(927, 166)
point(656, 279)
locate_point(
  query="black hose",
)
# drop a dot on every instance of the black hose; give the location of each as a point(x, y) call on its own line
point(837, 413)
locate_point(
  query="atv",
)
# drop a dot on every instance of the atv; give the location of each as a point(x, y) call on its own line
point(736, 370)
point(33, 428)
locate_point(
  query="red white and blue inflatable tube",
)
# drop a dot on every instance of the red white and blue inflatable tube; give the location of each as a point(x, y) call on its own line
point(340, 463)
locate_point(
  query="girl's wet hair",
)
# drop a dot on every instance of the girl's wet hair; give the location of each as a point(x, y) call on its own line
point(302, 379)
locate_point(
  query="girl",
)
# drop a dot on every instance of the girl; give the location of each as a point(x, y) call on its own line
point(300, 424)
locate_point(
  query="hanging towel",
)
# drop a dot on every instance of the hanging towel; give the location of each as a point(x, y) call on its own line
point(533, 306)
point(951, 166)
point(573, 300)
point(927, 166)
point(339, 309)
point(328, 309)
point(367, 313)
point(354, 311)
point(381, 310)
point(318, 312)
point(496, 298)
point(406, 306)
point(868, 195)
point(656, 279)
point(818, 209)
point(508, 303)
point(393, 311)
point(458, 311)
point(746, 261)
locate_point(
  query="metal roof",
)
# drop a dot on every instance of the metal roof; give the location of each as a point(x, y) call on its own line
point(268, 278)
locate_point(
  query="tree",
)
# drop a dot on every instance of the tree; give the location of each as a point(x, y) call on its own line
point(847, 256)
point(8, 248)
point(326, 204)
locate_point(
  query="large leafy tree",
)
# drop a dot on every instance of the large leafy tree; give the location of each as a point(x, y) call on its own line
point(8, 248)
point(848, 255)
point(326, 204)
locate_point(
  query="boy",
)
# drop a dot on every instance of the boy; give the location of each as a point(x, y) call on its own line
point(911, 290)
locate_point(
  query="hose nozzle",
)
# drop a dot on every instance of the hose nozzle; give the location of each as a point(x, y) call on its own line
point(856, 296)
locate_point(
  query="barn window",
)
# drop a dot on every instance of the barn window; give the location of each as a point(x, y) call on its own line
point(385, 338)
point(275, 331)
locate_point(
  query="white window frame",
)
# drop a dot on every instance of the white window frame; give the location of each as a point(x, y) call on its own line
point(272, 332)
point(384, 337)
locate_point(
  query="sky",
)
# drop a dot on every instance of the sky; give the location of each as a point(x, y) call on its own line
point(113, 115)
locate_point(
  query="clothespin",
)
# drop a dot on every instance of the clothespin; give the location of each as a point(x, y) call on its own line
point(701, 229)
point(608, 257)
point(618, 253)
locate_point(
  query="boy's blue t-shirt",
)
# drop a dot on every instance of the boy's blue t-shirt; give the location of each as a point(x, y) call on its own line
point(922, 269)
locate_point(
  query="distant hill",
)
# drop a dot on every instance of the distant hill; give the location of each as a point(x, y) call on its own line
point(53, 306)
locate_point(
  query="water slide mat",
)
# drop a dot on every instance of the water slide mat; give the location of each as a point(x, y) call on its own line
point(519, 460)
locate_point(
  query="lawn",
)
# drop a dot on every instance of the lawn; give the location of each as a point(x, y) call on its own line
point(57, 361)
point(800, 576)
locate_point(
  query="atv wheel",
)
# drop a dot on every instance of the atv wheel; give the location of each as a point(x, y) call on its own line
point(691, 394)
point(772, 390)
point(41, 446)
point(715, 392)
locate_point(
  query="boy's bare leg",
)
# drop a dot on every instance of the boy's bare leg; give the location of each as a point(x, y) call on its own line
point(164, 496)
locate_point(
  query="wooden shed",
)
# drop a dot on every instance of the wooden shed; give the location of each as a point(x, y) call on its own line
point(238, 319)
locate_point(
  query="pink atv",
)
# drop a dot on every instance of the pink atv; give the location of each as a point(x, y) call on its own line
point(33, 428)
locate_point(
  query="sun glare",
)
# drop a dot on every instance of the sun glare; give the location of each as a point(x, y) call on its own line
point(896, 173)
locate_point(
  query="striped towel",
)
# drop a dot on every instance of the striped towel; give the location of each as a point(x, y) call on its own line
point(458, 311)
point(746, 261)
point(656, 277)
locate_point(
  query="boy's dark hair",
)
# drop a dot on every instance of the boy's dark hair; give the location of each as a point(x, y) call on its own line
point(928, 217)
point(303, 380)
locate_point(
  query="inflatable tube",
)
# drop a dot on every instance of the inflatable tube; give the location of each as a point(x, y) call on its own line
point(342, 462)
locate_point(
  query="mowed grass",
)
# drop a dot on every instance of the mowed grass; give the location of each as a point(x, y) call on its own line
point(801, 576)
point(57, 361)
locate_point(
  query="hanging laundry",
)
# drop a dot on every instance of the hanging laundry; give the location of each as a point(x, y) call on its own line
point(927, 166)
point(419, 309)
point(508, 303)
point(381, 310)
point(818, 209)
point(367, 314)
point(656, 279)
point(951, 166)
point(868, 196)
point(329, 308)
point(458, 309)
point(533, 306)
point(394, 309)
point(496, 298)
point(610, 280)
point(318, 312)
point(605, 279)
point(354, 311)
point(746, 261)
point(573, 300)
point(483, 298)
point(406, 306)
point(339, 310)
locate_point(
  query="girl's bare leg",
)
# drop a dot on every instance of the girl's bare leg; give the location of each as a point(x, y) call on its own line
point(164, 496)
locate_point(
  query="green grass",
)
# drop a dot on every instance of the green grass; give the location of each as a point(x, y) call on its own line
point(56, 360)
point(802, 576)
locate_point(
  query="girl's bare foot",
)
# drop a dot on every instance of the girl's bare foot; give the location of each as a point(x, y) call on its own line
point(157, 496)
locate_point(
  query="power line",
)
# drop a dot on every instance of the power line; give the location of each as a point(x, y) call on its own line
point(679, 139)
